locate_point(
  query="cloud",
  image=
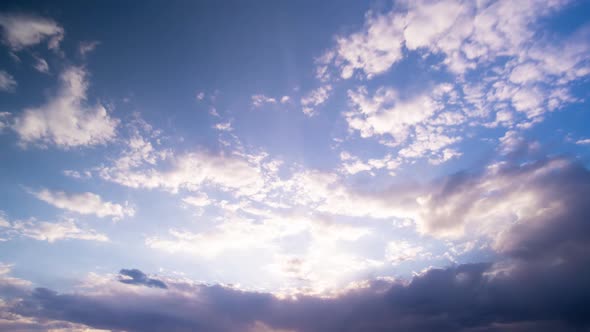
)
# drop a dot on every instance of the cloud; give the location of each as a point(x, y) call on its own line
point(41, 65)
point(259, 100)
point(224, 126)
point(84, 203)
point(86, 47)
point(49, 231)
point(65, 120)
point(352, 164)
point(136, 277)
point(422, 122)
point(502, 68)
point(471, 297)
point(534, 214)
point(199, 200)
point(191, 171)
point(373, 49)
point(583, 141)
point(21, 31)
point(7, 82)
point(315, 98)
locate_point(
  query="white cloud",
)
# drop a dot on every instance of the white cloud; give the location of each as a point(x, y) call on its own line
point(398, 252)
point(285, 99)
point(421, 126)
point(190, 172)
point(7, 82)
point(47, 231)
point(54, 231)
point(65, 120)
point(41, 65)
point(84, 203)
point(86, 47)
point(315, 98)
point(20, 31)
point(260, 100)
point(583, 141)
point(514, 77)
point(352, 164)
point(374, 49)
point(224, 126)
point(199, 200)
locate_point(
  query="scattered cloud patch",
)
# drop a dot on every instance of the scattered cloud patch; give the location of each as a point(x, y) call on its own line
point(86, 47)
point(84, 203)
point(314, 99)
point(20, 31)
point(7, 82)
point(260, 100)
point(64, 120)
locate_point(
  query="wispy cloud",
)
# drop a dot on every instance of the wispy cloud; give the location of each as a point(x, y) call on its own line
point(84, 203)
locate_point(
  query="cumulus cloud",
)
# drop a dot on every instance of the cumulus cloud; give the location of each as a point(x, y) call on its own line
point(84, 203)
point(64, 120)
point(468, 297)
point(535, 215)
point(7, 82)
point(421, 124)
point(505, 71)
point(20, 31)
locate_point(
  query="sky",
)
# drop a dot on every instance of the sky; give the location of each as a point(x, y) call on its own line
point(295, 166)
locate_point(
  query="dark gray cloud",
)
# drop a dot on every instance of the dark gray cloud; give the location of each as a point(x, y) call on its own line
point(136, 277)
point(539, 283)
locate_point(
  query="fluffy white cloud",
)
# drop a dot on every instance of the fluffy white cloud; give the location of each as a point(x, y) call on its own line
point(20, 31)
point(84, 203)
point(386, 113)
point(505, 72)
point(7, 82)
point(315, 98)
point(421, 125)
point(65, 120)
point(372, 50)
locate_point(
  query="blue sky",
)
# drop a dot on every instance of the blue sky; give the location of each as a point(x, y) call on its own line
point(289, 150)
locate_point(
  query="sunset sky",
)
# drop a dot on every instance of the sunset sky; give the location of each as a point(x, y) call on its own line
point(295, 166)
